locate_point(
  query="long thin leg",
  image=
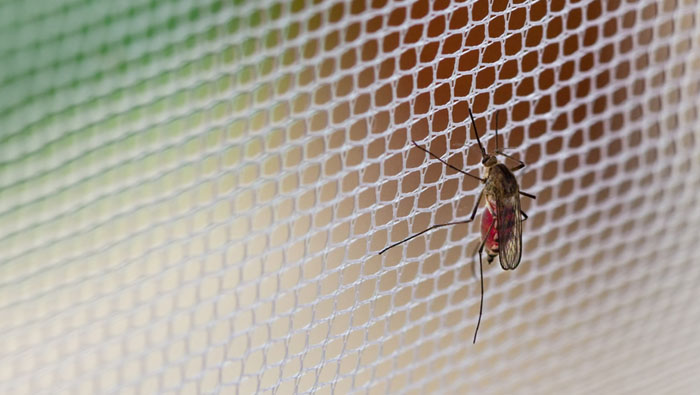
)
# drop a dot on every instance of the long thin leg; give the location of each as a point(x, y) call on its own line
point(447, 164)
point(524, 215)
point(531, 196)
point(481, 272)
point(516, 168)
point(474, 271)
point(476, 206)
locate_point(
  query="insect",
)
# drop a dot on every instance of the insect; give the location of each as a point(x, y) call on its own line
point(501, 222)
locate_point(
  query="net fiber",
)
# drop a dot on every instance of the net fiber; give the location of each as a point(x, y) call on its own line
point(193, 195)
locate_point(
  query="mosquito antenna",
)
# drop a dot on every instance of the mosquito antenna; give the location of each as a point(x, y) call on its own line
point(497, 130)
point(481, 147)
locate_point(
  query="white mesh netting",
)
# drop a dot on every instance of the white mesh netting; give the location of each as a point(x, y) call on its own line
point(193, 195)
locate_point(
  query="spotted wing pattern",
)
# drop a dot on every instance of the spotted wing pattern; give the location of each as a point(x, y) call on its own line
point(509, 231)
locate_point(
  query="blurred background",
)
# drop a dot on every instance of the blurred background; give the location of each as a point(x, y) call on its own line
point(193, 196)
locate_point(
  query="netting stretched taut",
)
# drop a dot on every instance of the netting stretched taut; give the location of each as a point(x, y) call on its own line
point(193, 196)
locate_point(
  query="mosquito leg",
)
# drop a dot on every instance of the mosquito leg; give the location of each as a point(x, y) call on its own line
point(447, 164)
point(481, 272)
point(516, 168)
point(476, 205)
point(531, 196)
point(420, 233)
point(471, 218)
point(474, 271)
point(524, 215)
point(481, 304)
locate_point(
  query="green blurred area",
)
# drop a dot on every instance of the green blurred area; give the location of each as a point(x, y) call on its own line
point(101, 94)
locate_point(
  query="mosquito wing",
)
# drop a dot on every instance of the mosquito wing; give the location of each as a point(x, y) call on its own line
point(510, 231)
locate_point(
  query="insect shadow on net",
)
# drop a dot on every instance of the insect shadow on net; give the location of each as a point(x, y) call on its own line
point(501, 221)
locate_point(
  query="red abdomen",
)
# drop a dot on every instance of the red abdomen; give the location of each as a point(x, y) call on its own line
point(488, 221)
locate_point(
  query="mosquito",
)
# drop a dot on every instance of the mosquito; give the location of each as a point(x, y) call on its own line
point(501, 222)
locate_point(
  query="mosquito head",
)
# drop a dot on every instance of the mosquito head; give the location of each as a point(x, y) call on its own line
point(489, 160)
